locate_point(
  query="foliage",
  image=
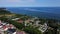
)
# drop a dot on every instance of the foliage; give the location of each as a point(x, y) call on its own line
point(16, 24)
point(32, 30)
point(51, 31)
point(3, 18)
point(4, 11)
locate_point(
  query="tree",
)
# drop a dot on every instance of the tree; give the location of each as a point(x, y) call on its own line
point(16, 24)
point(4, 18)
point(2, 11)
point(32, 30)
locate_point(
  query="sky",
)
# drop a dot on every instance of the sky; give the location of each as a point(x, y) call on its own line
point(29, 3)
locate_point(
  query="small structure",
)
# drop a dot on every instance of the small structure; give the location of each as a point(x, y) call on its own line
point(5, 28)
point(11, 31)
point(10, 26)
point(37, 23)
point(16, 19)
point(58, 31)
point(1, 31)
point(20, 32)
point(20, 21)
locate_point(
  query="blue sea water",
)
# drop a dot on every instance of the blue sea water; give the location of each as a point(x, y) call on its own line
point(46, 12)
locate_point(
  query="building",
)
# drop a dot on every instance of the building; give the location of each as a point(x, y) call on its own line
point(11, 31)
point(20, 21)
point(20, 32)
point(43, 27)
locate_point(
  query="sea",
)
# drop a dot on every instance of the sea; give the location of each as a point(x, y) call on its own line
point(42, 12)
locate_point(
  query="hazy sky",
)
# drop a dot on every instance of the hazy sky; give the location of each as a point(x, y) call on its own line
point(29, 3)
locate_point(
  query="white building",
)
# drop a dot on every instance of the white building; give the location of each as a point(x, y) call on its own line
point(16, 19)
point(37, 23)
point(43, 27)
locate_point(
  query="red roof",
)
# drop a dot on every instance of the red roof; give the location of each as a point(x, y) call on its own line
point(4, 27)
point(20, 21)
point(20, 32)
point(10, 26)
